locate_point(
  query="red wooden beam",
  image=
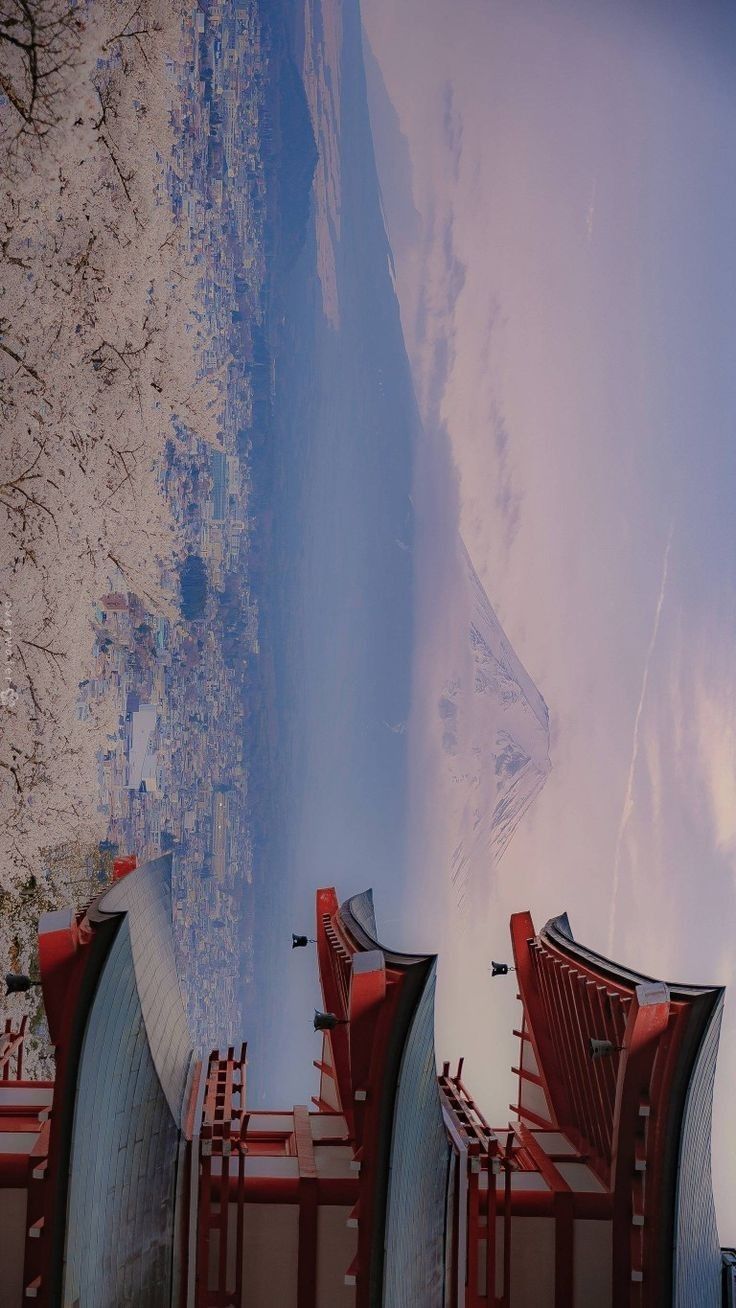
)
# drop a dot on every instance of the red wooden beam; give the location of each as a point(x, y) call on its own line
point(570, 1039)
point(564, 1214)
point(333, 959)
point(13, 1171)
point(371, 1128)
point(239, 1227)
point(203, 1231)
point(535, 1018)
point(647, 1024)
point(307, 1257)
point(542, 1122)
point(603, 1073)
point(595, 1205)
point(588, 1123)
point(564, 1249)
point(526, 1075)
point(472, 1297)
point(322, 1105)
point(506, 1297)
point(491, 1235)
point(334, 1191)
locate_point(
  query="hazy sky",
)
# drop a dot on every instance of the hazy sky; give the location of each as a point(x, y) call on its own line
point(560, 190)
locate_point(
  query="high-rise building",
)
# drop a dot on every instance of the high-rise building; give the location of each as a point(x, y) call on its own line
point(141, 1177)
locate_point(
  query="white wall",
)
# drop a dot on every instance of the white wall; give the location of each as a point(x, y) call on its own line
point(336, 1247)
point(593, 1264)
point(270, 1255)
point(532, 1262)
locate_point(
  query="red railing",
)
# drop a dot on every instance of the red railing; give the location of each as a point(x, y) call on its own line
point(222, 1137)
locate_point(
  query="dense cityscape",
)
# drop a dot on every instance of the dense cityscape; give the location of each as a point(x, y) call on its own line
point(176, 772)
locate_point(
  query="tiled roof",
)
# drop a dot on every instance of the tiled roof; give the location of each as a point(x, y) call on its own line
point(133, 1071)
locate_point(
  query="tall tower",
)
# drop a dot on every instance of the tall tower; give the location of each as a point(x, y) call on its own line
point(141, 1175)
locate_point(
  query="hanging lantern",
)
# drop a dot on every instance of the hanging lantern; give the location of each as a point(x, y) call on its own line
point(500, 969)
point(327, 1021)
point(17, 984)
point(299, 942)
point(601, 1048)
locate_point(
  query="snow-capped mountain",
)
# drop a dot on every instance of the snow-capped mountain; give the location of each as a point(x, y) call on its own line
point(493, 726)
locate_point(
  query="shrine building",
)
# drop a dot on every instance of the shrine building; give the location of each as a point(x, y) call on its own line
point(140, 1176)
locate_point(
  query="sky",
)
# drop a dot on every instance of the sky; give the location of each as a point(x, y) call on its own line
point(560, 195)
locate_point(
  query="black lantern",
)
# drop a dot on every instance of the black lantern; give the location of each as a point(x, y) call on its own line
point(327, 1021)
point(602, 1048)
point(501, 969)
point(299, 942)
point(17, 984)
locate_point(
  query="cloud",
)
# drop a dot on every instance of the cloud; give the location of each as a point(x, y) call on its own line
point(628, 805)
point(452, 127)
point(455, 270)
point(433, 326)
point(508, 499)
point(715, 730)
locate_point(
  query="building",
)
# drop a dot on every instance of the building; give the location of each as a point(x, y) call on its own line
point(140, 1175)
point(142, 748)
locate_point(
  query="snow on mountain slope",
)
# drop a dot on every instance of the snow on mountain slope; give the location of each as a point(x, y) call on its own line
point(493, 727)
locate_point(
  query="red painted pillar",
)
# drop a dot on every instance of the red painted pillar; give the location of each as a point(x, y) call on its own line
point(13, 1171)
point(471, 1291)
point(307, 1274)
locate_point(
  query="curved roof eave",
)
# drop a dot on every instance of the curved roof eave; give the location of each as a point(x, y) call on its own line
point(86, 948)
point(697, 1253)
point(144, 897)
point(559, 932)
point(689, 1249)
point(358, 918)
point(133, 1069)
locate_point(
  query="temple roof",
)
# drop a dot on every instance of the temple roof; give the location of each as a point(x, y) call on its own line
point(411, 1146)
point(641, 1111)
point(124, 1067)
point(689, 1229)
